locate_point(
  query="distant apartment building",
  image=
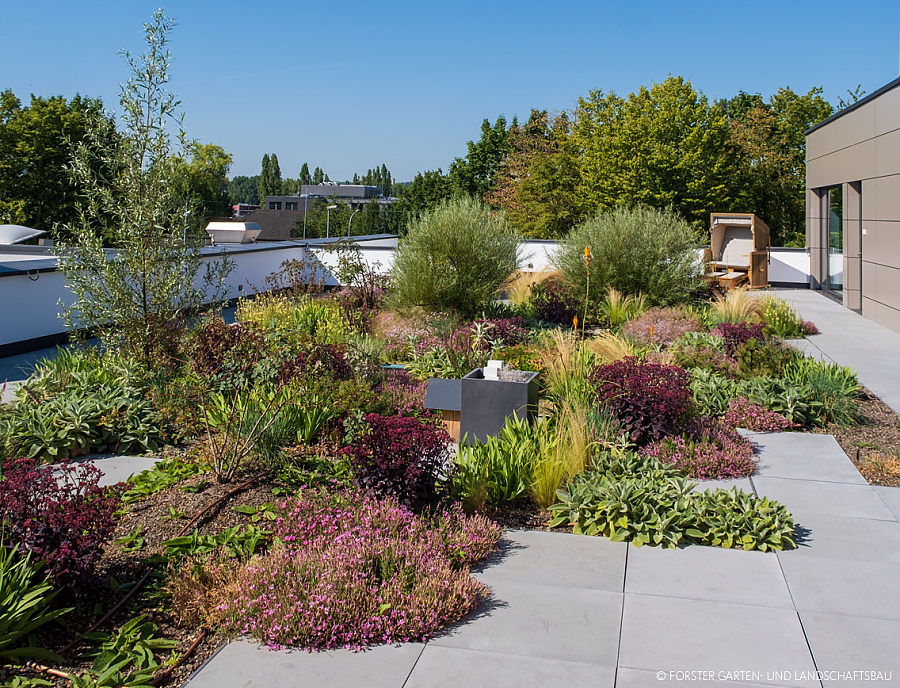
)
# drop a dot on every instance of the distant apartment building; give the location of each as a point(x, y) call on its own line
point(853, 205)
point(355, 195)
point(240, 210)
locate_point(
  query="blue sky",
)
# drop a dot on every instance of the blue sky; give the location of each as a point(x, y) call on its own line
point(351, 85)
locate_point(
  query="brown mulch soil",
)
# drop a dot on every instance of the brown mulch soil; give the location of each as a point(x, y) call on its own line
point(119, 570)
point(874, 444)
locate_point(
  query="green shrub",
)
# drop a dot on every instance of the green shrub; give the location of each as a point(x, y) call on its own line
point(455, 258)
point(83, 401)
point(636, 250)
point(631, 498)
point(782, 396)
point(712, 392)
point(757, 359)
point(834, 389)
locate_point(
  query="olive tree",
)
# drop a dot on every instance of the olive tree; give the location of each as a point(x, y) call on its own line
point(635, 249)
point(455, 258)
point(128, 266)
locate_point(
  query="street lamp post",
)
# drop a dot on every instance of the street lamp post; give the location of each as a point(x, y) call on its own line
point(328, 220)
point(350, 221)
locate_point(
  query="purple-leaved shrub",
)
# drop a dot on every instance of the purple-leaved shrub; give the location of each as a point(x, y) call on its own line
point(59, 515)
point(650, 400)
point(735, 335)
point(404, 458)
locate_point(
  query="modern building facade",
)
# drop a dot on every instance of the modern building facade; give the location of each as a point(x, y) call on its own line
point(853, 205)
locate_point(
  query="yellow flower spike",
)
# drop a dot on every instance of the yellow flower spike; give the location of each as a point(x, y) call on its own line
point(575, 322)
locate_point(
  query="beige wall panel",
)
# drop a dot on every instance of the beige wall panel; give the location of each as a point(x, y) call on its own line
point(887, 153)
point(852, 299)
point(887, 198)
point(869, 200)
point(887, 112)
point(888, 252)
point(853, 164)
point(888, 281)
point(851, 275)
point(870, 308)
point(818, 144)
point(851, 238)
point(869, 285)
point(821, 172)
point(847, 130)
point(889, 317)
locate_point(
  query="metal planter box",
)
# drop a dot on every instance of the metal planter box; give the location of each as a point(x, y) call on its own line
point(486, 404)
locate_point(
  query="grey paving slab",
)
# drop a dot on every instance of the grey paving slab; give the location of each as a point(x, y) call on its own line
point(708, 573)
point(562, 559)
point(742, 484)
point(804, 456)
point(820, 497)
point(852, 643)
point(8, 391)
point(119, 468)
point(852, 340)
point(666, 633)
point(569, 624)
point(891, 498)
point(849, 539)
point(246, 664)
point(448, 667)
point(643, 678)
point(850, 588)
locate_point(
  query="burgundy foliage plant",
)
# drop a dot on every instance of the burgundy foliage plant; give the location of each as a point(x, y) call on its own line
point(61, 515)
point(735, 335)
point(402, 457)
point(650, 400)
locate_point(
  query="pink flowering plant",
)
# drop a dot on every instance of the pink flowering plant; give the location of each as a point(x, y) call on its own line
point(348, 571)
point(743, 413)
point(707, 450)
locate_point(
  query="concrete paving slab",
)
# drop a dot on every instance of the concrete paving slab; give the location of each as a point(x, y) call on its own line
point(852, 340)
point(891, 498)
point(804, 456)
point(852, 643)
point(525, 556)
point(850, 588)
point(446, 667)
point(742, 484)
point(708, 573)
point(8, 391)
point(850, 539)
point(665, 633)
point(550, 622)
point(804, 497)
point(642, 678)
point(119, 468)
point(244, 663)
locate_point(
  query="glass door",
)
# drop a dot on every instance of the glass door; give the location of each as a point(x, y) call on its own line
point(834, 228)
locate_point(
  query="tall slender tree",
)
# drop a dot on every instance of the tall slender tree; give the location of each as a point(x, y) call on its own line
point(264, 175)
point(305, 177)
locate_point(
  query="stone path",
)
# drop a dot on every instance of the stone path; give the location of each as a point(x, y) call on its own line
point(568, 610)
point(851, 340)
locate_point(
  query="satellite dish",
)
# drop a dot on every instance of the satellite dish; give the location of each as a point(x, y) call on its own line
point(16, 234)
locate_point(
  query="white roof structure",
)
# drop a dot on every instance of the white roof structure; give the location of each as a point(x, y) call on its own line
point(15, 234)
point(233, 232)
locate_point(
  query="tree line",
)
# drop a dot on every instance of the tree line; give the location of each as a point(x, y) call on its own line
point(663, 146)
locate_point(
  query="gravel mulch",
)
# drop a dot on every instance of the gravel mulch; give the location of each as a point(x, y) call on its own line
point(874, 444)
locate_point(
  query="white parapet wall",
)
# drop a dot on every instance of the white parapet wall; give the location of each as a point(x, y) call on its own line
point(32, 290)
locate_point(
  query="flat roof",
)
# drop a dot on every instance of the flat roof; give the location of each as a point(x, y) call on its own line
point(859, 103)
